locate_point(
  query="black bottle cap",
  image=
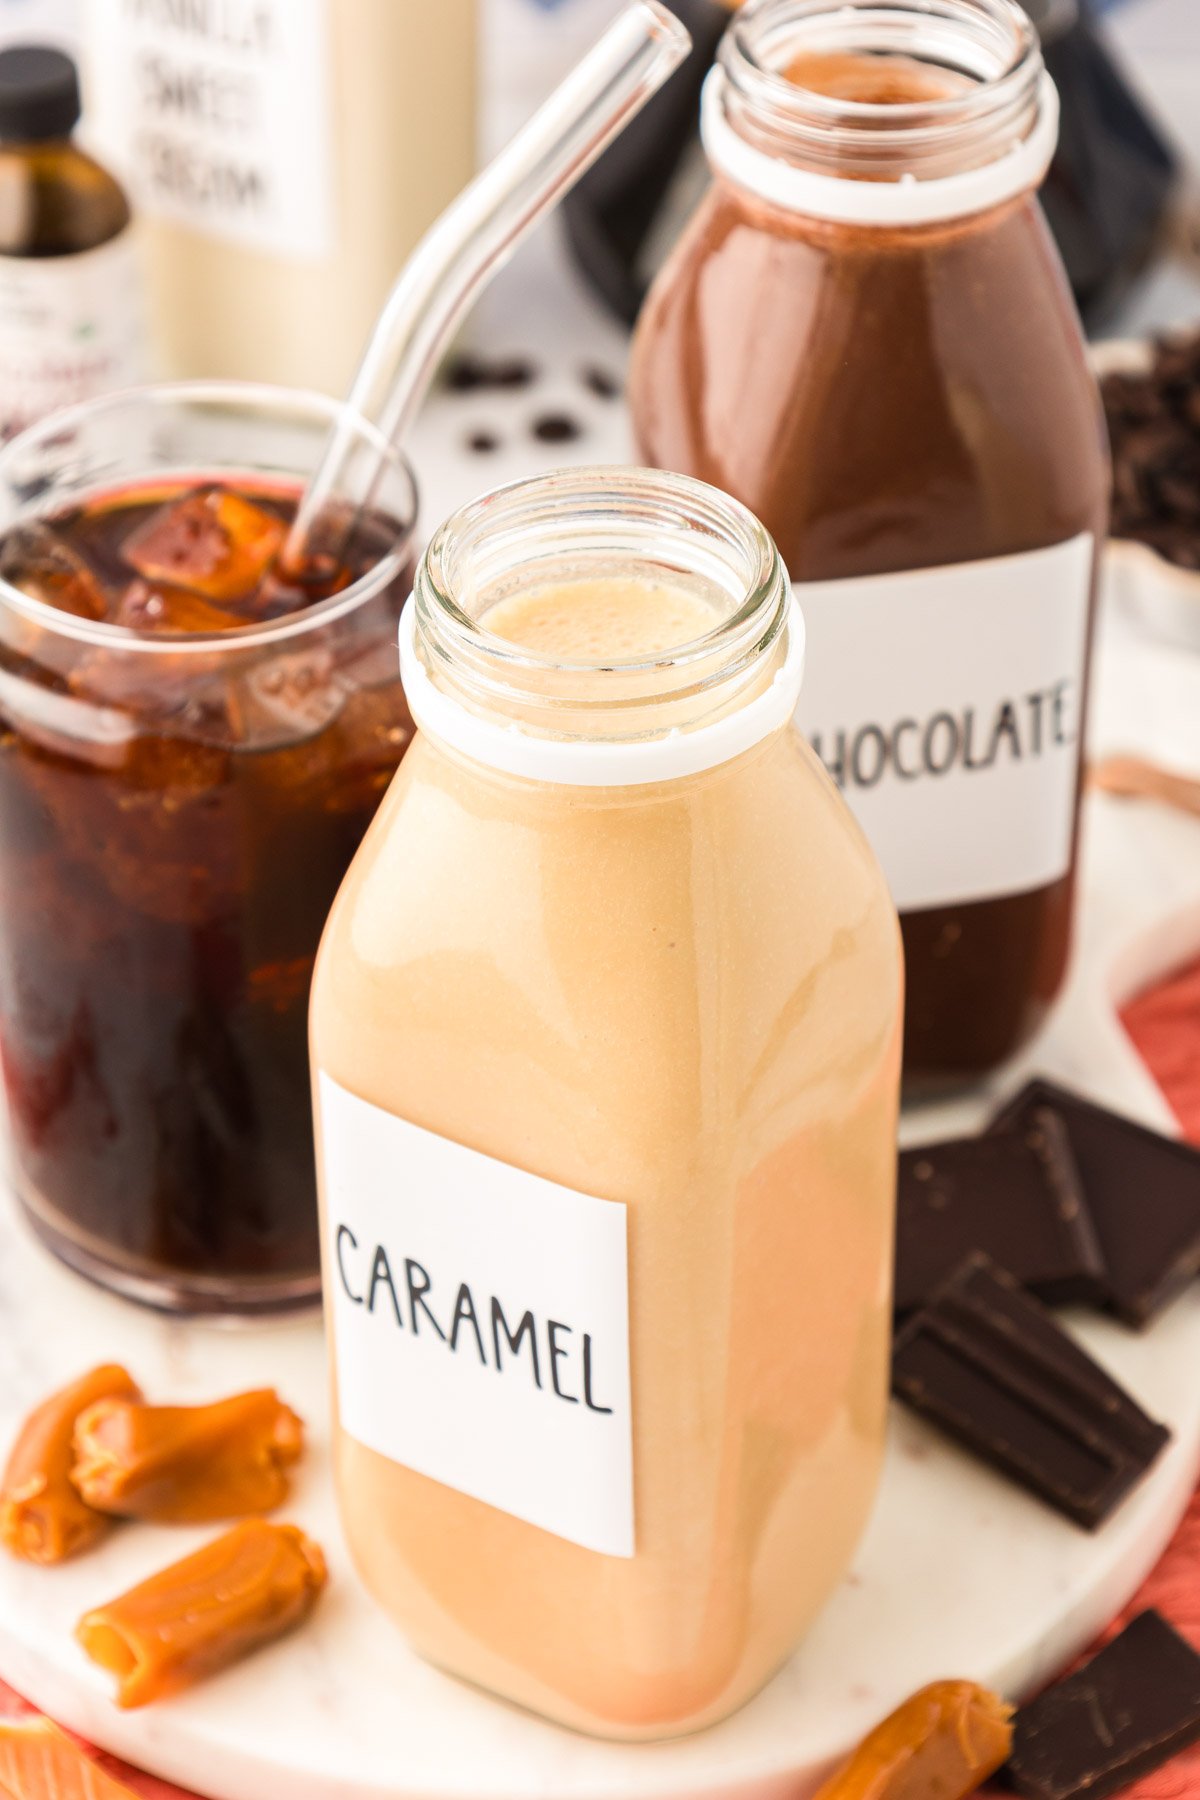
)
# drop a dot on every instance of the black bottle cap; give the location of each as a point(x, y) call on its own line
point(39, 93)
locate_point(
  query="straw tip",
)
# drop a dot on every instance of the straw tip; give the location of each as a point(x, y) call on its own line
point(667, 27)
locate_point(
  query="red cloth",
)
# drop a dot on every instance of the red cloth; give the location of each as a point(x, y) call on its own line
point(1164, 1023)
point(149, 1786)
point(1165, 1026)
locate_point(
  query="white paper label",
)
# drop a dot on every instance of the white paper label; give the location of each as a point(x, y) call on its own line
point(219, 115)
point(946, 705)
point(481, 1321)
point(71, 327)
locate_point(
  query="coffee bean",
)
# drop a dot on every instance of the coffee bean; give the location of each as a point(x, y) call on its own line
point(600, 382)
point(556, 428)
point(1154, 426)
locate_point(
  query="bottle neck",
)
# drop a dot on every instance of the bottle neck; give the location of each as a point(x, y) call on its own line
point(881, 114)
point(628, 719)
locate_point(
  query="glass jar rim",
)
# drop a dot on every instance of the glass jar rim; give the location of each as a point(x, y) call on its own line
point(761, 83)
point(882, 163)
point(689, 503)
point(265, 397)
point(614, 722)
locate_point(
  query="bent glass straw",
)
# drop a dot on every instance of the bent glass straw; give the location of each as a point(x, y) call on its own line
point(478, 233)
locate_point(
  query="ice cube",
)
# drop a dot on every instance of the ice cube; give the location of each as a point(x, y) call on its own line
point(188, 696)
point(279, 594)
point(148, 607)
point(292, 697)
point(214, 542)
point(65, 724)
point(44, 565)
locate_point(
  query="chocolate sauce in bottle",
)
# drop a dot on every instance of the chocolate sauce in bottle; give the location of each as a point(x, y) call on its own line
point(866, 335)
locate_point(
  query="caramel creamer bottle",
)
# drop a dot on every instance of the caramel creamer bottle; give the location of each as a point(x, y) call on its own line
point(70, 299)
point(606, 1039)
point(867, 336)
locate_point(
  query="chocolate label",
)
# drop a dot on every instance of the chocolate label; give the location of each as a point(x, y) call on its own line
point(219, 115)
point(480, 1320)
point(947, 705)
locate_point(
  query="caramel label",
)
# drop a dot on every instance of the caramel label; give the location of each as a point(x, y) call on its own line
point(947, 706)
point(480, 1322)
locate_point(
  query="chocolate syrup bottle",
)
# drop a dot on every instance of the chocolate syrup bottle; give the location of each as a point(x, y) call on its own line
point(628, 210)
point(70, 324)
point(867, 336)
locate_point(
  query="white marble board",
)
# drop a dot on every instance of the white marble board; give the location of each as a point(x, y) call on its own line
point(960, 1574)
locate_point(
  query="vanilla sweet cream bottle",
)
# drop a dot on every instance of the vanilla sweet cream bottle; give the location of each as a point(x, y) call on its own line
point(284, 157)
point(606, 1039)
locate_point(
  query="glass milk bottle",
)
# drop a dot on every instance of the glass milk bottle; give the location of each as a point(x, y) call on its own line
point(867, 336)
point(606, 1033)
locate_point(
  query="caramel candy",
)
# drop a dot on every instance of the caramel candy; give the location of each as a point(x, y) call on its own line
point(42, 1517)
point(941, 1744)
point(253, 1584)
point(39, 1762)
point(187, 1465)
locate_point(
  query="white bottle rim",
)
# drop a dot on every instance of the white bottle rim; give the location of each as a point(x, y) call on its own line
point(906, 201)
point(580, 762)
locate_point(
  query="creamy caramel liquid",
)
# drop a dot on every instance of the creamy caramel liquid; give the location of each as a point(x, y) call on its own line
point(602, 621)
point(683, 996)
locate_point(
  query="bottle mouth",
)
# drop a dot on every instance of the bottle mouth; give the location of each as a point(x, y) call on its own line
point(981, 95)
point(581, 525)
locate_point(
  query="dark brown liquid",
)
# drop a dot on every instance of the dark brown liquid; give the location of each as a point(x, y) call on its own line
point(888, 401)
point(873, 80)
point(57, 200)
point(174, 827)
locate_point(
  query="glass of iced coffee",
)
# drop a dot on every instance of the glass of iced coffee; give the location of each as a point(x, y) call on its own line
point(193, 739)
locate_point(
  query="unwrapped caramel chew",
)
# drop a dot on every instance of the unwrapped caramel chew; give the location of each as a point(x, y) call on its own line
point(39, 1762)
point(941, 1744)
point(187, 1465)
point(42, 1516)
point(253, 1584)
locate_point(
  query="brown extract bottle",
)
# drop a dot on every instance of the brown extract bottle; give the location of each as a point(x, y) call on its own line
point(70, 315)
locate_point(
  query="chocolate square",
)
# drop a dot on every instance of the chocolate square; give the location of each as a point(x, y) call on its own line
point(988, 1364)
point(1132, 1707)
point(1142, 1191)
point(1014, 1194)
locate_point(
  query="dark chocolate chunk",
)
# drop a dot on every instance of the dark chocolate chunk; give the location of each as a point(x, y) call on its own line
point(1014, 1194)
point(1143, 1194)
point(556, 428)
point(1132, 1707)
point(987, 1363)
